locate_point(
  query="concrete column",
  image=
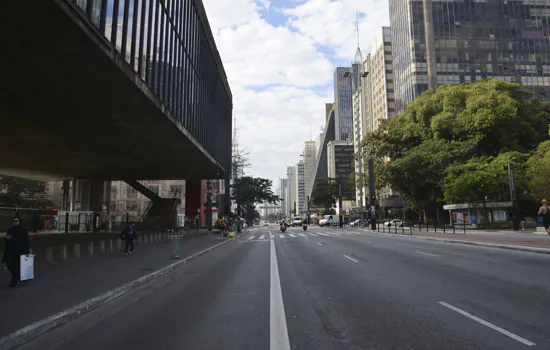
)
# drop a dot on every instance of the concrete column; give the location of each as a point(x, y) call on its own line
point(73, 194)
point(192, 198)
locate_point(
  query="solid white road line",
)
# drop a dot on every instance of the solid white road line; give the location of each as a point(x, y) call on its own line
point(278, 332)
point(262, 237)
point(251, 238)
point(488, 324)
point(291, 235)
point(428, 254)
point(350, 258)
point(301, 234)
point(319, 243)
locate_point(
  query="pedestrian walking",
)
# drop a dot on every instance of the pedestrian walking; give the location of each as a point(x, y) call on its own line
point(544, 211)
point(16, 244)
point(129, 237)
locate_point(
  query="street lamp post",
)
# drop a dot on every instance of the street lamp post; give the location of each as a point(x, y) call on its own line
point(359, 150)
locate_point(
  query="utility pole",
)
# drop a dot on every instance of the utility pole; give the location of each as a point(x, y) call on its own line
point(340, 211)
point(372, 199)
point(513, 196)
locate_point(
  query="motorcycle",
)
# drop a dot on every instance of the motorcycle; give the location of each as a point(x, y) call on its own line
point(283, 228)
point(304, 227)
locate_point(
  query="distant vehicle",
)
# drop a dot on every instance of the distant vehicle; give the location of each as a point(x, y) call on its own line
point(395, 222)
point(357, 223)
point(266, 224)
point(296, 221)
point(328, 220)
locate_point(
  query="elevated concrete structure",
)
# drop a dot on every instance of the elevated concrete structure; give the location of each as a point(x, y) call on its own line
point(73, 106)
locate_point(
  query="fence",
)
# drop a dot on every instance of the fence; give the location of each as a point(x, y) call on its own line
point(409, 229)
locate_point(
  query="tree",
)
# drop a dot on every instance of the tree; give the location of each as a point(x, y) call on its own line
point(253, 191)
point(442, 139)
point(537, 170)
point(17, 191)
point(325, 193)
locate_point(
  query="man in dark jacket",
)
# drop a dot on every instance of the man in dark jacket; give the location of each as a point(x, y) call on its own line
point(16, 244)
point(129, 237)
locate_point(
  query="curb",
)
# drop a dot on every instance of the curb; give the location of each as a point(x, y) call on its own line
point(41, 327)
point(481, 244)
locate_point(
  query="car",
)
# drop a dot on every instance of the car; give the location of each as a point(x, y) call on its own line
point(357, 223)
point(296, 221)
point(395, 222)
point(266, 224)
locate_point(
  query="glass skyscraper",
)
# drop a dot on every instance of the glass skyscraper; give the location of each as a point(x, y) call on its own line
point(343, 104)
point(471, 40)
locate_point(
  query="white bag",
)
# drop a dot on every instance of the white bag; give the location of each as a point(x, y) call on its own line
point(27, 267)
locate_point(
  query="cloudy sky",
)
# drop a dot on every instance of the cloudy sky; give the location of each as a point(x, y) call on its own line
point(280, 56)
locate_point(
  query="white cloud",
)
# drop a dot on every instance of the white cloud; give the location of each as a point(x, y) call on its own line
point(258, 54)
point(279, 76)
point(332, 23)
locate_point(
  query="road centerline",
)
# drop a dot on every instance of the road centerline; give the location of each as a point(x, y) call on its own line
point(487, 324)
point(278, 332)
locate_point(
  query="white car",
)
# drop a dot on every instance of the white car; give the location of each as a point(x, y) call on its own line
point(296, 221)
point(395, 222)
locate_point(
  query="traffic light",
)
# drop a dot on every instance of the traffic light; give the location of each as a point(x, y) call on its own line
point(515, 201)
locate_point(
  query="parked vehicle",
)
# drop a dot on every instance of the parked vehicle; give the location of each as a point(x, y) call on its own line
point(328, 220)
point(395, 222)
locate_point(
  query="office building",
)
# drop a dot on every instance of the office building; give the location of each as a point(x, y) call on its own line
point(291, 191)
point(340, 164)
point(342, 104)
point(300, 188)
point(283, 194)
point(309, 165)
point(465, 41)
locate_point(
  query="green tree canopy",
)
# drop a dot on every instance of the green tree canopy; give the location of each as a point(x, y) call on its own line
point(446, 141)
point(325, 193)
point(538, 170)
point(252, 191)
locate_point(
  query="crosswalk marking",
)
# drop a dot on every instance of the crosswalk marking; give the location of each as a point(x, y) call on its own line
point(334, 233)
point(251, 238)
point(271, 235)
point(262, 236)
point(291, 235)
point(301, 234)
point(313, 234)
point(282, 236)
point(323, 234)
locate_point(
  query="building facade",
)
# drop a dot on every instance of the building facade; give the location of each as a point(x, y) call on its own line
point(310, 150)
point(341, 163)
point(283, 193)
point(468, 41)
point(343, 104)
point(300, 188)
point(290, 207)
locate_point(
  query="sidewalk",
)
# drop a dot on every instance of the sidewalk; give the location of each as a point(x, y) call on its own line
point(60, 286)
point(503, 238)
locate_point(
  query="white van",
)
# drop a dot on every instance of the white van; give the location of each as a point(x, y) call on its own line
point(328, 220)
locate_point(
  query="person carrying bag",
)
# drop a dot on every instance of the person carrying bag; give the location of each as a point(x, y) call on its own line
point(16, 245)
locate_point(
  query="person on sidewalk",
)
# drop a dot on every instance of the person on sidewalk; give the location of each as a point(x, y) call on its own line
point(544, 211)
point(129, 237)
point(16, 244)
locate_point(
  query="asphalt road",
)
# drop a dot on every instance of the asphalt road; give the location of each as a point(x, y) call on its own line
point(326, 289)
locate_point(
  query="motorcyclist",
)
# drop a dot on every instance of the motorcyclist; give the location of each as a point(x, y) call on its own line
point(283, 223)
